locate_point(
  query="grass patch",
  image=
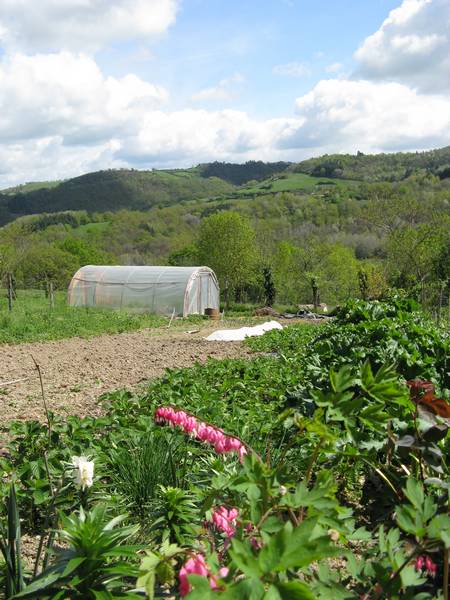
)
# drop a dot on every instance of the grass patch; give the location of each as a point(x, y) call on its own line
point(291, 182)
point(33, 320)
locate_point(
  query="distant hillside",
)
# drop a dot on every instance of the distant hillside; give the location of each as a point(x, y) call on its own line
point(112, 190)
point(377, 167)
point(238, 174)
point(30, 186)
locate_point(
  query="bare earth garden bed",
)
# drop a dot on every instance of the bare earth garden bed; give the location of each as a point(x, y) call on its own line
point(77, 371)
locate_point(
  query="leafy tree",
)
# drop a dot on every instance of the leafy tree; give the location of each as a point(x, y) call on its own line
point(43, 263)
point(332, 268)
point(269, 286)
point(239, 174)
point(417, 255)
point(84, 253)
point(227, 244)
point(185, 257)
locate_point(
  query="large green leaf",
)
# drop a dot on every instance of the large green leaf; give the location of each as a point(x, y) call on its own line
point(294, 590)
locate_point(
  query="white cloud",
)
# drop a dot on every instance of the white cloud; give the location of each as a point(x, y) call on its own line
point(334, 67)
point(224, 90)
point(60, 115)
point(412, 46)
point(67, 95)
point(343, 115)
point(47, 158)
point(159, 139)
point(292, 69)
point(397, 99)
point(190, 136)
point(84, 25)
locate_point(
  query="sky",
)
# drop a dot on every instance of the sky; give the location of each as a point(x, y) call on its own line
point(96, 84)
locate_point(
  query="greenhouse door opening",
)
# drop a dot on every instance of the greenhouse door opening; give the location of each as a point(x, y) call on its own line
point(160, 290)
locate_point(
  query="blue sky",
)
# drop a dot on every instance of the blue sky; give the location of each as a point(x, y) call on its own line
point(95, 84)
point(214, 40)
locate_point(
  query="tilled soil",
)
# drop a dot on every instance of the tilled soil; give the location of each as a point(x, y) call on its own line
point(77, 371)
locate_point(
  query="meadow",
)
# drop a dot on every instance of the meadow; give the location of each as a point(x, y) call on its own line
point(289, 182)
point(33, 319)
point(318, 469)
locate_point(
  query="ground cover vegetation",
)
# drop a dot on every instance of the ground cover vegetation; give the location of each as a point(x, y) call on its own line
point(33, 319)
point(315, 470)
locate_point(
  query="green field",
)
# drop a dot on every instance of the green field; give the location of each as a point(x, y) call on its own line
point(93, 227)
point(291, 182)
point(32, 319)
point(32, 186)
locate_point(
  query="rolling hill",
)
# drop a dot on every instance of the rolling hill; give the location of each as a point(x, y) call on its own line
point(112, 190)
point(377, 167)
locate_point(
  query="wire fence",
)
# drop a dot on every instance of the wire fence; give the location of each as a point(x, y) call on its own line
point(12, 297)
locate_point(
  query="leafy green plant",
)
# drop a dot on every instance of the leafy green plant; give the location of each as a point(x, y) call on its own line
point(10, 547)
point(344, 496)
point(176, 516)
point(159, 567)
point(96, 564)
point(145, 461)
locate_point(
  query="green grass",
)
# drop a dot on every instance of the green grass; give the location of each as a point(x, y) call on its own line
point(33, 320)
point(32, 186)
point(93, 227)
point(248, 309)
point(290, 182)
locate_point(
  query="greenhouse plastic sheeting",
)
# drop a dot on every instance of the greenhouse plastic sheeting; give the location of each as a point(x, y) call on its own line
point(237, 335)
point(160, 290)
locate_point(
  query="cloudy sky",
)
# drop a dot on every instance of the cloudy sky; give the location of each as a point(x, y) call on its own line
point(93, 84)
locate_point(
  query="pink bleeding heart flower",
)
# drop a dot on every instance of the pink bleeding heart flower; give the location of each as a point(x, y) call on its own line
point(242, 452)
point(194, 565)
point(223, 572)
point(190, 425)
point(220, 446)
point(425, 563)
point(202, 431)
point(225, 520)
point(419, 564)
point(233, 514)
point(430, 567)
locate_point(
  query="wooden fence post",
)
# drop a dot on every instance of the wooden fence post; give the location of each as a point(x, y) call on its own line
point(51, 295)
point(10, 292)
point(315, 291)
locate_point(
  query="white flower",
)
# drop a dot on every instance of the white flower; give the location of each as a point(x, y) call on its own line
point(83, 472)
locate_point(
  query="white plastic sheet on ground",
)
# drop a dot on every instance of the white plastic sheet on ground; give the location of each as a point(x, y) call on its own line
point(237, 335)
